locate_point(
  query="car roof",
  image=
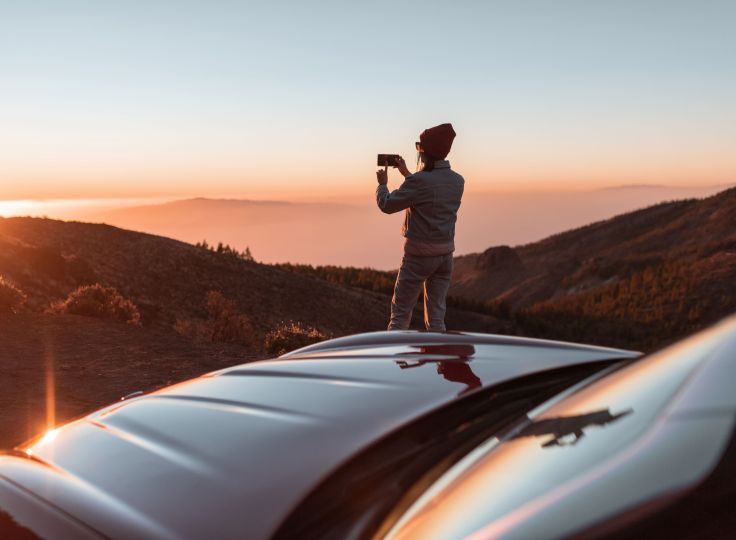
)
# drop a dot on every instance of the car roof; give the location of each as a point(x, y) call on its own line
point(234, 451)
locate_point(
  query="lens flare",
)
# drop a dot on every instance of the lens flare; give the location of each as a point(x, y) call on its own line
point(50, 383)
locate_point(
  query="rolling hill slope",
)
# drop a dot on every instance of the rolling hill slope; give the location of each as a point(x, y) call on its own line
point(662, 271)
point(168, 280)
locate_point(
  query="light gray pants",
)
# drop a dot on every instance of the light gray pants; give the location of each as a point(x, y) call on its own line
point(433, 275)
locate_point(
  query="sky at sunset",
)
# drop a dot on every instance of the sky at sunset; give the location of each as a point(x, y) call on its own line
point(293, 100)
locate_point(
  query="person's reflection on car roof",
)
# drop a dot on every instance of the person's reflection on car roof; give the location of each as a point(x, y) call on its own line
point(455, 370)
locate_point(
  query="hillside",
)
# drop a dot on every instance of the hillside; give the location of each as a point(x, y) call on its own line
point(92, 362)
point(168, 280)
point(641, 278)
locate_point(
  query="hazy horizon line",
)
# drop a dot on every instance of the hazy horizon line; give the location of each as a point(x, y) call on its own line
point(352, 194)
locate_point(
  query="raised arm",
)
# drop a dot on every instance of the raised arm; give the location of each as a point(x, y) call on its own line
point(398, 199)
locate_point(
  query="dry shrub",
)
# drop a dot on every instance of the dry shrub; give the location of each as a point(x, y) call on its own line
point(11, 297)
point(290, 336)
point(101, 302)
point(224, 324)
point(186, 328)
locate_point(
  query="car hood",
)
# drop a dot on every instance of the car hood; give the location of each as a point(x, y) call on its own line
point(237, 449)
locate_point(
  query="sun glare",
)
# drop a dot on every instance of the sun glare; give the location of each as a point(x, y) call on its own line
point(17, 208)
point(49, 436)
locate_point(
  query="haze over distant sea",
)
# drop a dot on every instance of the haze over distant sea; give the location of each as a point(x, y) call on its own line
point(351, 231)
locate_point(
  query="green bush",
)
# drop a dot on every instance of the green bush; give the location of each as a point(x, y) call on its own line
point(101, 302)
point(11, 298)
point(290, 336)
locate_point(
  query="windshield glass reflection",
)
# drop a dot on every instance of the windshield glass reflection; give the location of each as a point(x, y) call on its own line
point(569, 430)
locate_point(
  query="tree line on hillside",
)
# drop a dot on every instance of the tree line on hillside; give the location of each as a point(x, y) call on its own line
point(225, 249)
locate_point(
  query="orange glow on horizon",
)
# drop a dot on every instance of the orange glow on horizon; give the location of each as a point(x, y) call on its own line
point(488, 165)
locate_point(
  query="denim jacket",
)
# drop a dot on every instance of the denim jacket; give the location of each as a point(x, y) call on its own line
point(431, 200)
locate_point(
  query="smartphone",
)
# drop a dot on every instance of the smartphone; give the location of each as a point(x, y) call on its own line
point(388, 159)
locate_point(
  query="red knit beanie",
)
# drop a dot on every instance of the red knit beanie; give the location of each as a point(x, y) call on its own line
point(437, 141)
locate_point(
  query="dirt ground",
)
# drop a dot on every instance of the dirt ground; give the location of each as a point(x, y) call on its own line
point(90, 363)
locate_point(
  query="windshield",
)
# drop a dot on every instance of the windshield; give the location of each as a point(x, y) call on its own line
point(558, 443)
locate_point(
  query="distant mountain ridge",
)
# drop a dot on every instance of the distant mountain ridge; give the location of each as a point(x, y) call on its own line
point(719, 187)
point(275, 231)
point(353, 232)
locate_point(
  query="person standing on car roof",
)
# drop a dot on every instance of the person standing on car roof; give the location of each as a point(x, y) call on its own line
point(431, 198)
